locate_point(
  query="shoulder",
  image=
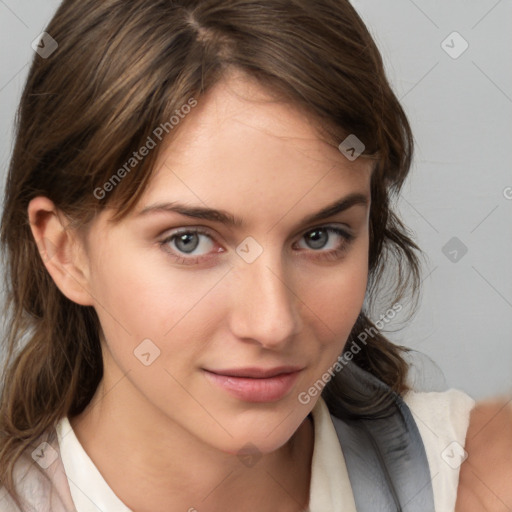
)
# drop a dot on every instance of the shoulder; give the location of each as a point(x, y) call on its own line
point(442, 419)
point(486, 474)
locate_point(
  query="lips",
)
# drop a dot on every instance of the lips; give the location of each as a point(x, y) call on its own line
point(256, 384)
point(257, 373)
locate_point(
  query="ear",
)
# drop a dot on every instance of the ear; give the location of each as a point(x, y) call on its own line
point(62, 250)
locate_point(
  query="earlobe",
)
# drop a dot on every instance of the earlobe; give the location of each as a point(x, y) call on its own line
point(61, 250)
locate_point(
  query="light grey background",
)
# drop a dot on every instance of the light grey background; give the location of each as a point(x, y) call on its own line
point(460, 110)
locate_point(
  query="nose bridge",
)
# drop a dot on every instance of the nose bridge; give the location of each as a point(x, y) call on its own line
point(264, 305)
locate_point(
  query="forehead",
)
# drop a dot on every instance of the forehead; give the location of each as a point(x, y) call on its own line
point(241, 149)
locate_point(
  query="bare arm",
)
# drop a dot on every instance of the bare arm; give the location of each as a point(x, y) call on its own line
point(485, 482)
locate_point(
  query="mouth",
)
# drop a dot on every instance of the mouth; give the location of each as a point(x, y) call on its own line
point(256, 384)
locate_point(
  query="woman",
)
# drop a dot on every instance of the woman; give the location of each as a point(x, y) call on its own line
point(197, 227)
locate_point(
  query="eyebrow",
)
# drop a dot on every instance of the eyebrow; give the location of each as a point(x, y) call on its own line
point(199, 212)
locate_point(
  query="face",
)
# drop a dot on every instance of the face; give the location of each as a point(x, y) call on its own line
point(186, 299)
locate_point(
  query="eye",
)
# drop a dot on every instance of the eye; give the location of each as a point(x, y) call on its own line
point(195, 243)
point(335, 239)
point(190, 246)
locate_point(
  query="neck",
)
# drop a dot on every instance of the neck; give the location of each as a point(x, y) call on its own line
point(172, 470)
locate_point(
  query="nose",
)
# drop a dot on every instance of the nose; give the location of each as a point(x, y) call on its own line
point(265, 307)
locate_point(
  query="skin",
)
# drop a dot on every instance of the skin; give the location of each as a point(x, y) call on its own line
point(163, 436)
point(485, 476)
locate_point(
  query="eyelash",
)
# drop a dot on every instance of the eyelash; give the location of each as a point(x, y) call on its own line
point(332, 255)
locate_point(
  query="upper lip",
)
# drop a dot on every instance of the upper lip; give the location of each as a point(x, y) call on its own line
point(257, 373)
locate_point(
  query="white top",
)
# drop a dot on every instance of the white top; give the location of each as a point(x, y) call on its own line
point(442, 419)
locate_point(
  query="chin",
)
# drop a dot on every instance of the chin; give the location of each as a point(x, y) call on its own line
point(253, 447)
point(258, 439)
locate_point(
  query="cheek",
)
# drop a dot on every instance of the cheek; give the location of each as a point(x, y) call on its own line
point(140, 298)
point(338, 292)
point(350, 292)
point(335, 301)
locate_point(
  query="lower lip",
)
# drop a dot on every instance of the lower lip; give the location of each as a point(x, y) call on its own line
point(270, 389)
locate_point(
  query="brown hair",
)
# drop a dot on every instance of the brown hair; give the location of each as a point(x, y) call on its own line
point(122, 68)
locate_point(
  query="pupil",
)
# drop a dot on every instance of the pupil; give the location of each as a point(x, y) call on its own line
point(187, 239)
point(318, 238)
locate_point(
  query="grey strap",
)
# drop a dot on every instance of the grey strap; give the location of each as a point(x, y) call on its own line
point(385, 456)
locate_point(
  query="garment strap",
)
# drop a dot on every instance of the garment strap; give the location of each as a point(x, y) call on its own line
point(385, 456)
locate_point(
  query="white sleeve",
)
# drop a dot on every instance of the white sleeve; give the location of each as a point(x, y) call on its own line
point(442, 419)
